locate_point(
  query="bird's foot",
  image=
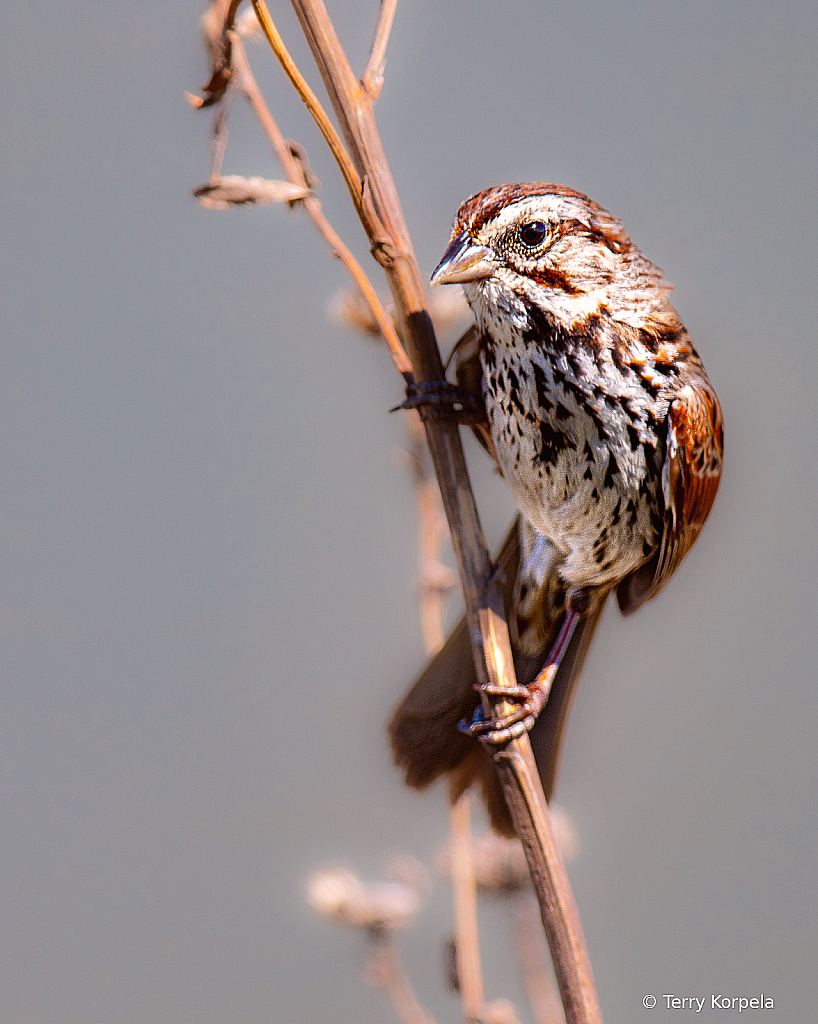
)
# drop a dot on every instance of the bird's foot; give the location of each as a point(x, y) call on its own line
point(439, 399)
point(531, 699)
point(504, 728)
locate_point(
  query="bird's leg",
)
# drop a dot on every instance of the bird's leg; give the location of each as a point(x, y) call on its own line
point(532, 698)
point(440, 399)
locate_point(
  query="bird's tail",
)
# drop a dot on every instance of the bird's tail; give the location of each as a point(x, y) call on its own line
point(426, 741)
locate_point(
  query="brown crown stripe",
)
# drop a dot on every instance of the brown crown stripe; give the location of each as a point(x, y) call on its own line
point(485, 206)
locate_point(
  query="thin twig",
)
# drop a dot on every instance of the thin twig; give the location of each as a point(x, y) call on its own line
point(489, 632)
point(354, 110)
point(294, 172)
point(531, 952)
point(385, 971)
point(434, 578)
point(318, 113)
point(372, 77)
point(218, 139)
point(431, 532)
point(465, 907)
point(529, 811)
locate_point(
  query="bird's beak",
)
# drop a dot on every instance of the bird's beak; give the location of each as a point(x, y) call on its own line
point(464, 261)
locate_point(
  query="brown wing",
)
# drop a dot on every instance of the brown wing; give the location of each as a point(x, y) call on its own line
point(468, 373)
point(425, 738)
point(690, 480)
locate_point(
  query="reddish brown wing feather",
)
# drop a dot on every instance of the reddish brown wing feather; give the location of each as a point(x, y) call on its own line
point(690, 480)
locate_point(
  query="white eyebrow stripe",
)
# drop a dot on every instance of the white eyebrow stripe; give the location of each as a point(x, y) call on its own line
point(550, 208)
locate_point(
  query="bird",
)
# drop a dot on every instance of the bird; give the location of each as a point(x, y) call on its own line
point(600, 416)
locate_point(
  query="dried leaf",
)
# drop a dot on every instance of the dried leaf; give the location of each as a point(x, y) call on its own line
point(237, 191)
point(215, 88)
point(216, 24)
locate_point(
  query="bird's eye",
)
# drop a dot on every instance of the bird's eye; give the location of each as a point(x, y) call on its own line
point(532, 233)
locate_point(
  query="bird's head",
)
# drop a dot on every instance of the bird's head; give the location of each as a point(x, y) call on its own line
point(514, 246)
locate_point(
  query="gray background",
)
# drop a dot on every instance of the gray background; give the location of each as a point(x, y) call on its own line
point(208, 543)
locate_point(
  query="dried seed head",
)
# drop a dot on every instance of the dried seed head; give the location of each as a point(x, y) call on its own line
point(235, 190)
point(447, 308)
point(499, 864)
point(340, 896)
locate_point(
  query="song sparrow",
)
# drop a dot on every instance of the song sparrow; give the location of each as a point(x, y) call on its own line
point(602, 420)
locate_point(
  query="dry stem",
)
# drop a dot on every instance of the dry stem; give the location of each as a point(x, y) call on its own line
point(376, 201)
point(294, 171)
point(372, 78)
point(385, 971)
point(530, 951)
point(308, 96)
point(434, 578)
point(431, 532)
point(465, 908)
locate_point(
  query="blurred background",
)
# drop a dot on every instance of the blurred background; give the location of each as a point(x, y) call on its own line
point(208, 557)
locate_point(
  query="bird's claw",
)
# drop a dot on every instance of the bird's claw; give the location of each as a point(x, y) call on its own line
point(507, 727)
point(439, 399)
